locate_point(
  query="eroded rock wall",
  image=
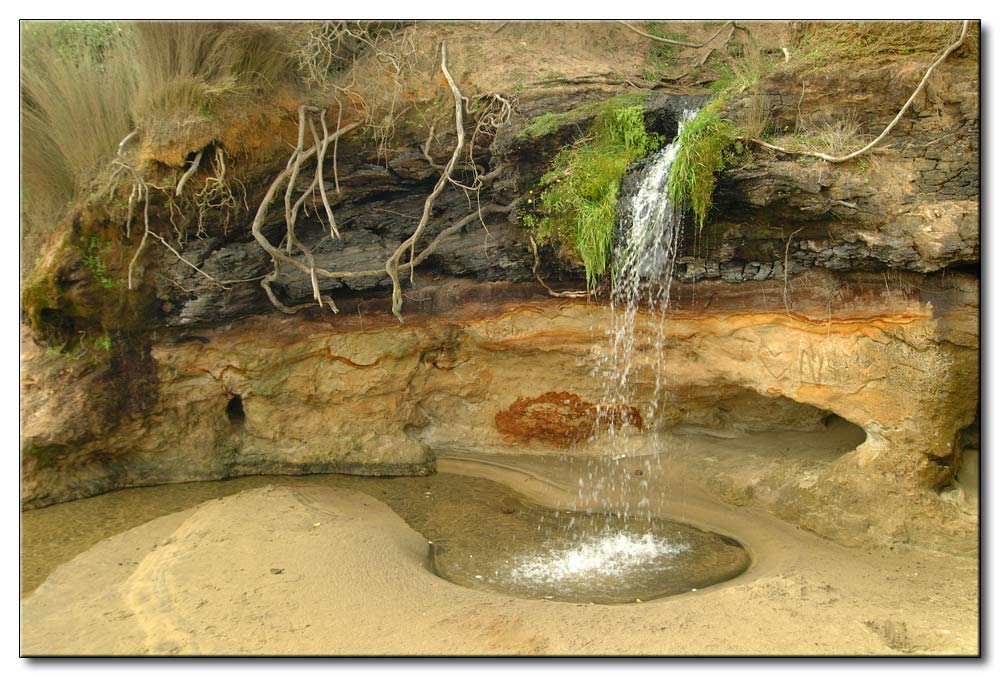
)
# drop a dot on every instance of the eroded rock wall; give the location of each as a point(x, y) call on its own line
point(363, 395)
point(812, 289)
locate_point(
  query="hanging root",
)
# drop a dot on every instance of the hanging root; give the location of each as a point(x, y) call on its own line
point(313, 145)
point(140, 193)
point(190, 172)
point(495, 113)
point(534, 270)
point(784, 290)
point(299, 156)
point(217, 195)
point(392, 264)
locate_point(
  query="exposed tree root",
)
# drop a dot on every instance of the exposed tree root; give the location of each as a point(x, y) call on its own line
point(784, 290)
point(190, 172)
point(217, 194)
point(392, 264)
point(902, 111)
point(534, 270)
point(312, 145)
point(289, 174)
point(678, 43)
point(497, 112)
point(140, 193)
point(708, 54)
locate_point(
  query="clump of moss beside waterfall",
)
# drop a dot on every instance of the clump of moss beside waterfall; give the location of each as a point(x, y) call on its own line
point(573, 206)
point(710, 142)
point(707, 144)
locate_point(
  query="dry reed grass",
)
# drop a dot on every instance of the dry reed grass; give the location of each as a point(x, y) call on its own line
point(821, 134)
point(194, 69)
point(74, 112)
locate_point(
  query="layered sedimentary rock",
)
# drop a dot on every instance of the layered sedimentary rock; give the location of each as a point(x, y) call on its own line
point(362, 394)
point(813, 289)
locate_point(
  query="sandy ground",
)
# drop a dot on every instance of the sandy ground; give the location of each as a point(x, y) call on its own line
point(316, 570)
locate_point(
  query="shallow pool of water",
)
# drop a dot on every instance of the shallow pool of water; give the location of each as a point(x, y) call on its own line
point(576, 557)
point(483, 535)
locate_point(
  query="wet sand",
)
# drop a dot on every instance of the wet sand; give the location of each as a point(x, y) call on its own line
point(307, 569)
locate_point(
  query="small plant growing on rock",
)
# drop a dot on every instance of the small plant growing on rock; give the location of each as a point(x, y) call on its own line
point(705, 143)
point(94, 262)
point(576, 205)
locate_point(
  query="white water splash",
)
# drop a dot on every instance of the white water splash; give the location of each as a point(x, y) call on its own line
point(610, 555)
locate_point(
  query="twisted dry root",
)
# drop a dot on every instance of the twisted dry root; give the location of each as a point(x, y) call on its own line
point(885, 132)
point(289, 174)
point(392, 264)
point(679, 43)
point(140, 192)
point(573, 294)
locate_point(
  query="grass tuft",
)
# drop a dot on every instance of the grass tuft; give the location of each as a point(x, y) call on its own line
point(576, 207)
point(824, 135)
point(706, 144)
point(75, 91)
point(184, 67)
point(710, 142)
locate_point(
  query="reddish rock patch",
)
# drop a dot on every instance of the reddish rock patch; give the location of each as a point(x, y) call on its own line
point(561, 418)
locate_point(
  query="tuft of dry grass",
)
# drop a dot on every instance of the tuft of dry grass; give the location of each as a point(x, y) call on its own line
point(742, 65)
point(755, 115)
point(821, 134)
point(74, 112)
point(185, 67)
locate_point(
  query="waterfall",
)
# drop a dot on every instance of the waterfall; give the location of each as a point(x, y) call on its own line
point(620, 538)
point(643, 271)
point(645, 254)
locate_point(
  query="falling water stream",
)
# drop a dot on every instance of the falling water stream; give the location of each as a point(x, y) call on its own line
point(611, 547)
point(643, 270)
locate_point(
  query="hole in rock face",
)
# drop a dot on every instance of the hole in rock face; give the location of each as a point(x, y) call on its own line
point(773, 428)
point(234, 410)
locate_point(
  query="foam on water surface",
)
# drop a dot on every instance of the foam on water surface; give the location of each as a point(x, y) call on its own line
point(609, 555)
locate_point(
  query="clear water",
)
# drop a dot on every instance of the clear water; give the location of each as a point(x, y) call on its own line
point(482, 535)
point(595, 558)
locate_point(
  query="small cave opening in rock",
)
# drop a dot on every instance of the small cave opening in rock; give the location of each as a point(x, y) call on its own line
point(736, 436)
point(973, 268)
point(234, 411)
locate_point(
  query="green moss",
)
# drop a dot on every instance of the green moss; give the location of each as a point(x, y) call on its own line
point(47, 455)
point(707, 144)
point(575, 208)
point(549, 123)
point(72, 311)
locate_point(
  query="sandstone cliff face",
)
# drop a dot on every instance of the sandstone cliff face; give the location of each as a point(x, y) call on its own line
point(366, 396)
point(813, 290)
